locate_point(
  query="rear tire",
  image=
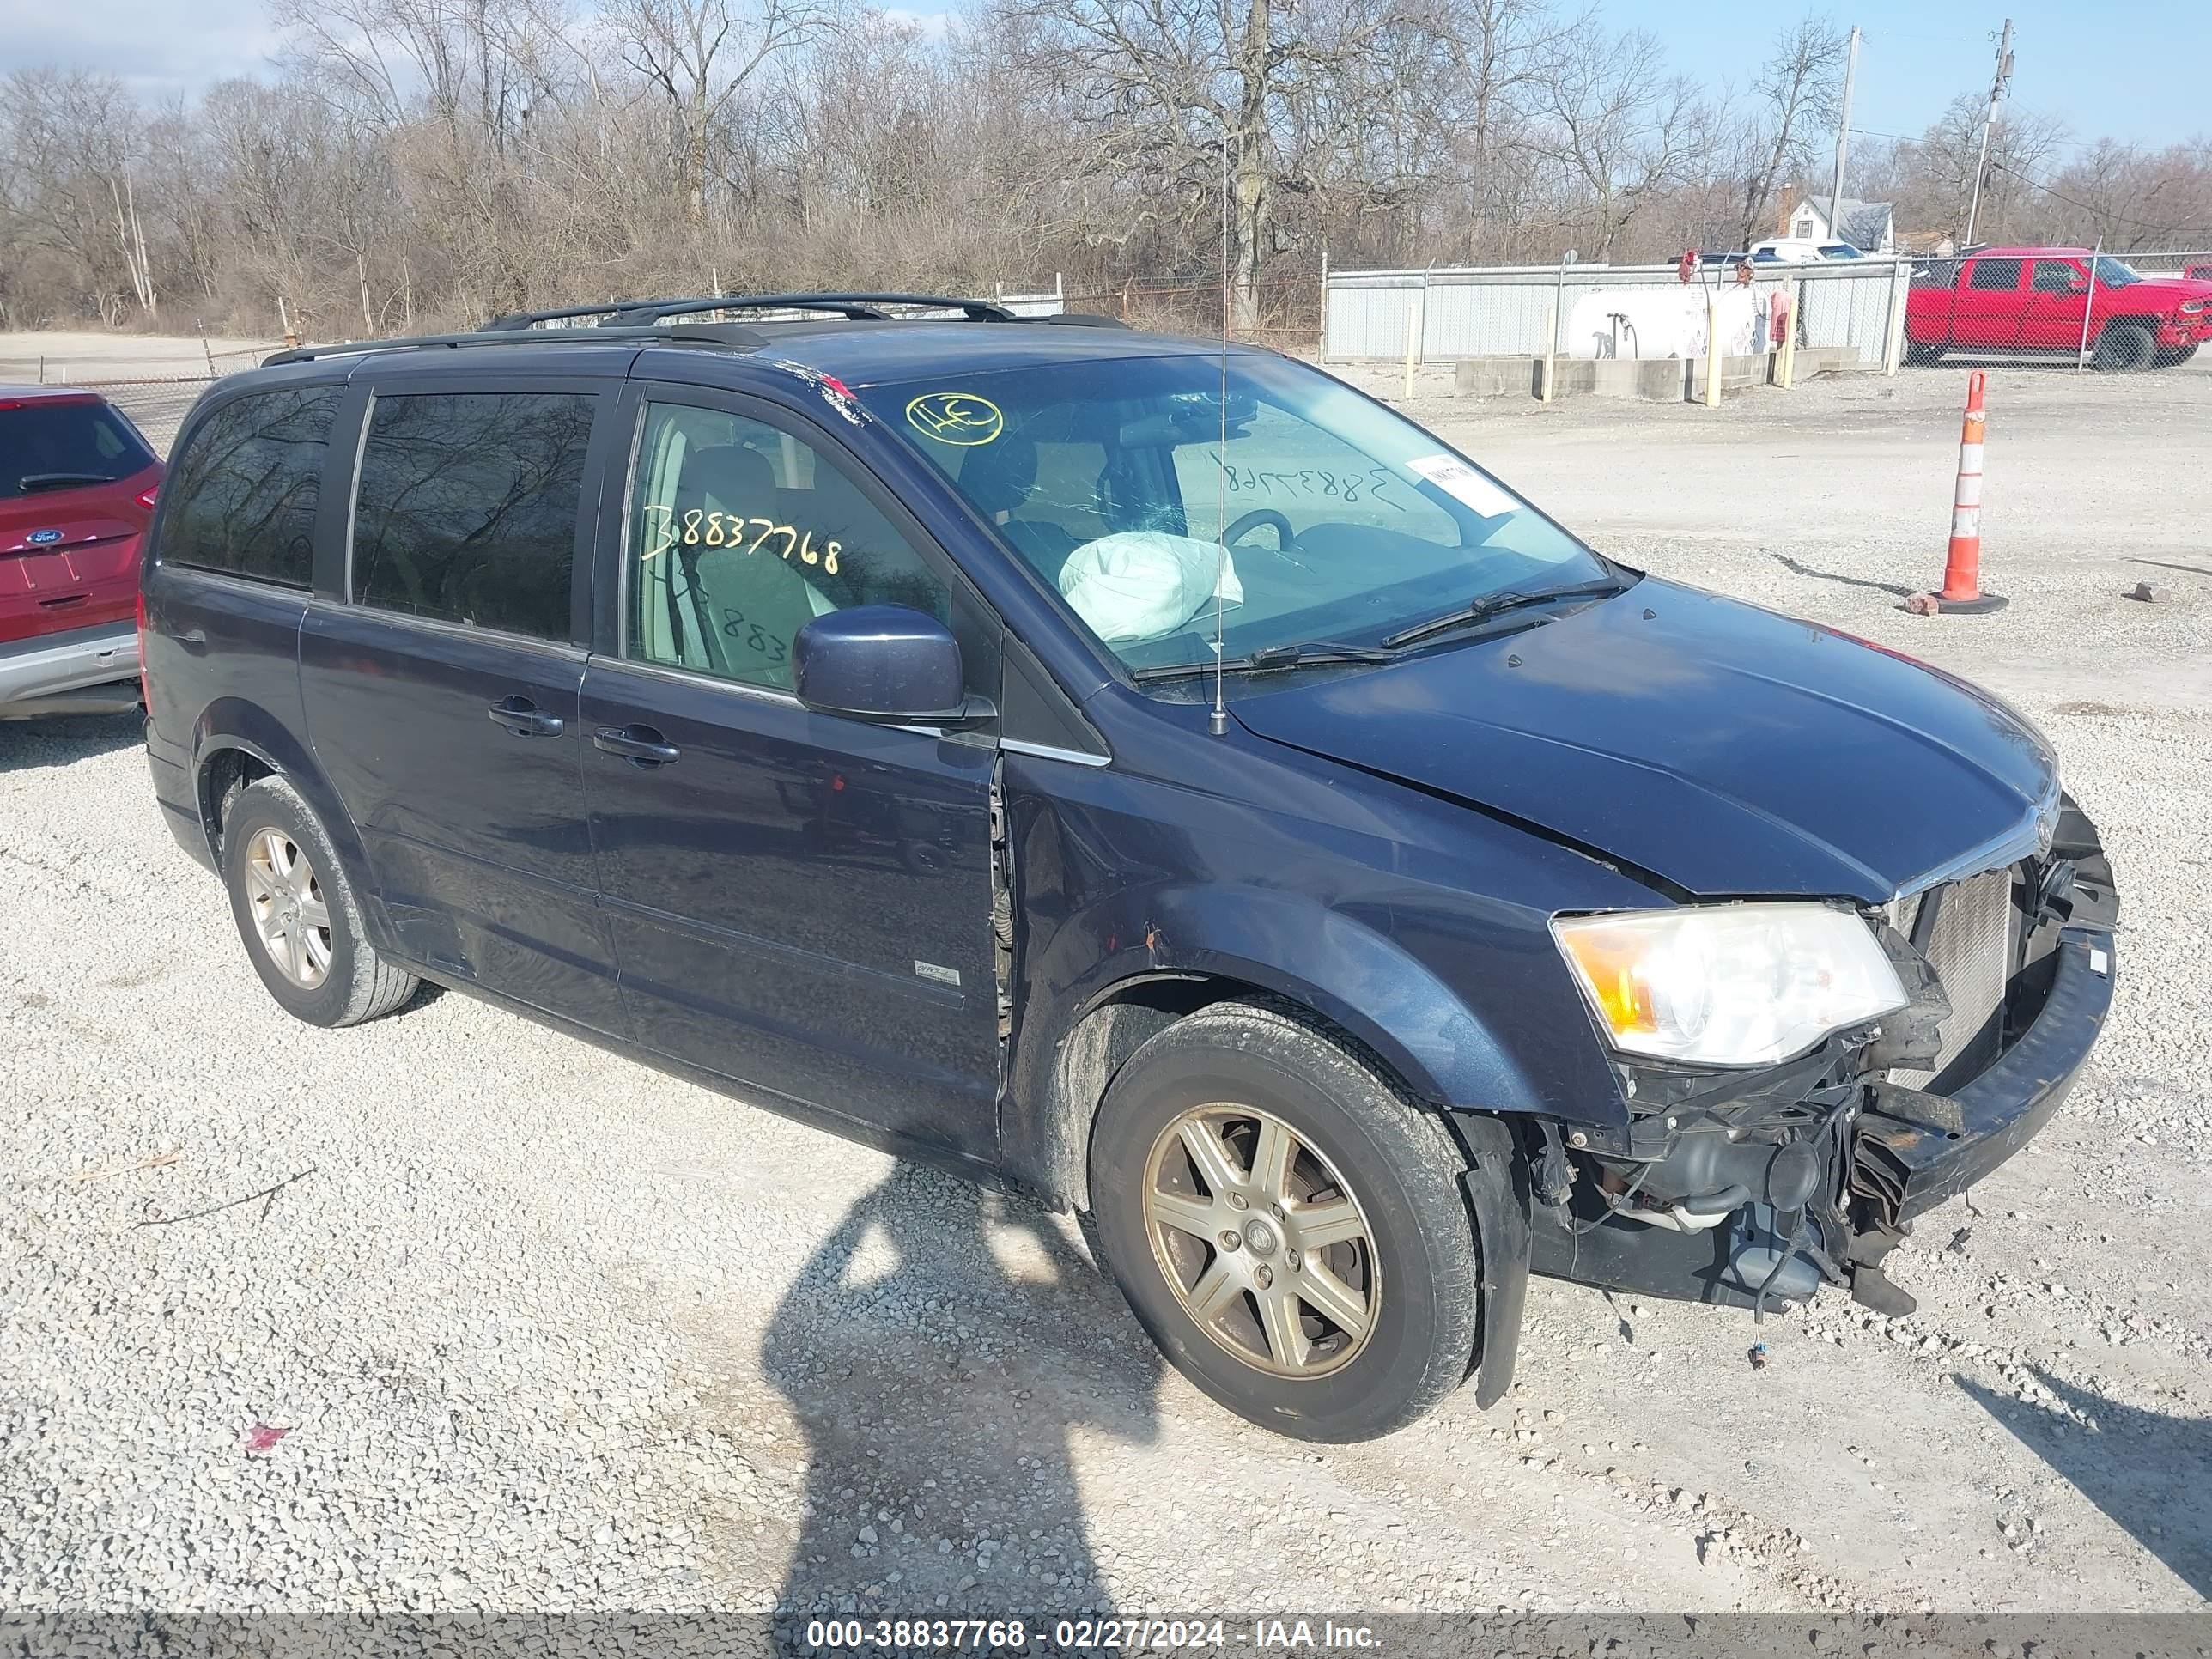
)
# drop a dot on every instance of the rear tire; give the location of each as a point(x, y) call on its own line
point(297, 914)
point(1348, 1306)
point(1920, 356)
point(2124, 348)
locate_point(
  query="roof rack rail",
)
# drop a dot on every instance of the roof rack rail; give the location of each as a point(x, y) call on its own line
point(730, 334)
point(522, 320)
point(858, 308)
point(640, 320)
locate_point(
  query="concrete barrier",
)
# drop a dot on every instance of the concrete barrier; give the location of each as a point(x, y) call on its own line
point(1496, 377)
point(1646, 379)
point(1737, 374)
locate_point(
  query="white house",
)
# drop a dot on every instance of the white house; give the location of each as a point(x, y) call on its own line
point(1867, 226)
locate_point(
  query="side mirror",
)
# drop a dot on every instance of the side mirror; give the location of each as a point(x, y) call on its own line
point(880, 662)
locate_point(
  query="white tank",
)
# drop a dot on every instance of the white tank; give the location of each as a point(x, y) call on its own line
point(1664, 320)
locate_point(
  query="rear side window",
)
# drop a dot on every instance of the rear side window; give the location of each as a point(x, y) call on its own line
point(48, 445)
point(1998, 275)
point(242, 497)
point(467, 505)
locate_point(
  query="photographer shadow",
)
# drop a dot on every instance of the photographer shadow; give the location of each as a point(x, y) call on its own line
point(2144, 1469)
point(940, 1350)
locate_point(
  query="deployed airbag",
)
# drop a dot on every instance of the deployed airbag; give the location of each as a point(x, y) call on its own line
point(1146, 584)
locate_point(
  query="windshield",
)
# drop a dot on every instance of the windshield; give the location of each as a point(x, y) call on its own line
point(2111, 273)
point(1312, 513)
point(47, 444)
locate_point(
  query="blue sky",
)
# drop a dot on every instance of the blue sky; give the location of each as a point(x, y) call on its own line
point(2091, 65)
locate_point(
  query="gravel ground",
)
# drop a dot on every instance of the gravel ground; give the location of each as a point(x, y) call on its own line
point(449, 1312)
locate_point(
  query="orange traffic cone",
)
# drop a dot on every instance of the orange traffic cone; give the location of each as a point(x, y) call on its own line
point(1962, 566)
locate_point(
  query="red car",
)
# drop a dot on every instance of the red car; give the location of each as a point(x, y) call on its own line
point(2038, 299)
point(77, 489)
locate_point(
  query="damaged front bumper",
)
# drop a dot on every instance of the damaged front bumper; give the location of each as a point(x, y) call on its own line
point(1914, 1149)
point(1703, 1208)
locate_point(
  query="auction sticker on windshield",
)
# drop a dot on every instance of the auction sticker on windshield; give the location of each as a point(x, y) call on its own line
point(1463, 484)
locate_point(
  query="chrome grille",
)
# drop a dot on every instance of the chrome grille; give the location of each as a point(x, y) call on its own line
point(1971, 951)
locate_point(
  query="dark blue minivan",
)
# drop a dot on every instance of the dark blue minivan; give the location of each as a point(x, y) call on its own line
point(1144, 774)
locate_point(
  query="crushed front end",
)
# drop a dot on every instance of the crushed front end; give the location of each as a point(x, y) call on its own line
point(1752, 1189)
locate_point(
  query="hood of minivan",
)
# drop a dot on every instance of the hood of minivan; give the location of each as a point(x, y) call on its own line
point(1722, 748)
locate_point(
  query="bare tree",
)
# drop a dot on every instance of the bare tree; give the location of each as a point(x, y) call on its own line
point(700, 54)
point(1935, 174)
point(1794, 100)
point(1191, 97)
point(1618, 125)
point(1500, 49)
point(421, 162)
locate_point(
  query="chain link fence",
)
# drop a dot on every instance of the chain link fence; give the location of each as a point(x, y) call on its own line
point(157, 408)
point(2191, 262)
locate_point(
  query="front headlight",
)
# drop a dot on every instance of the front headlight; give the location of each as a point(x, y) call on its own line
point(1728, 984)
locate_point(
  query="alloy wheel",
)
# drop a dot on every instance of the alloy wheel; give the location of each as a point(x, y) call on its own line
point(1263, 1243)
point(290, 913)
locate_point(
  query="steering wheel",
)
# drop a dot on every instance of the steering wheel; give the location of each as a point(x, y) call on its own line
point(1252, 520)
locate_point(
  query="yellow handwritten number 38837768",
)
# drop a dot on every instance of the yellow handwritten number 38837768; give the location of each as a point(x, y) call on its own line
point(667, 528)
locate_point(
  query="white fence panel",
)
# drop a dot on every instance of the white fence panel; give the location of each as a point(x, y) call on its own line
point(1031, 305)
point(1476, 311)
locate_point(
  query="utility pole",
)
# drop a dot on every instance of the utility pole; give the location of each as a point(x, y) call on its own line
point(1842, 145)
point(1996, 97)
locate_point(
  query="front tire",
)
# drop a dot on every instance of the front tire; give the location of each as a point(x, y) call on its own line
point(2124, 348)
point(297, 912)
point(1286, 1225)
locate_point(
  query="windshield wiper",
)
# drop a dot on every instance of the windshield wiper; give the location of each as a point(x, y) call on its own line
point(31, 482)
point(1496, 606)
point(1269, 657)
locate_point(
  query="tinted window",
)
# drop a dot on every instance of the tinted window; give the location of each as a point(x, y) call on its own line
point(741, 535)
point(242, 497)
point(466, 510)
point(2055, 276)
point(1999, 276)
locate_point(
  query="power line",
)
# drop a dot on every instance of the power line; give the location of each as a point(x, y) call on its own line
point(2102, 213)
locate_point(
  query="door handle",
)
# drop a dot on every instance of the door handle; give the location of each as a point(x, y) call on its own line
point(519, 715)
point(641, 745)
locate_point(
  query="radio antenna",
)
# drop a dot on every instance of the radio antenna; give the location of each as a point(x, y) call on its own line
point(1218, 724)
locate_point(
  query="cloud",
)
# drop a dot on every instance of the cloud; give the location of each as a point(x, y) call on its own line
point(155, 48)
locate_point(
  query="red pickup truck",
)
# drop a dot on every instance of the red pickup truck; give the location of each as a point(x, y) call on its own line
point(2033, 298)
